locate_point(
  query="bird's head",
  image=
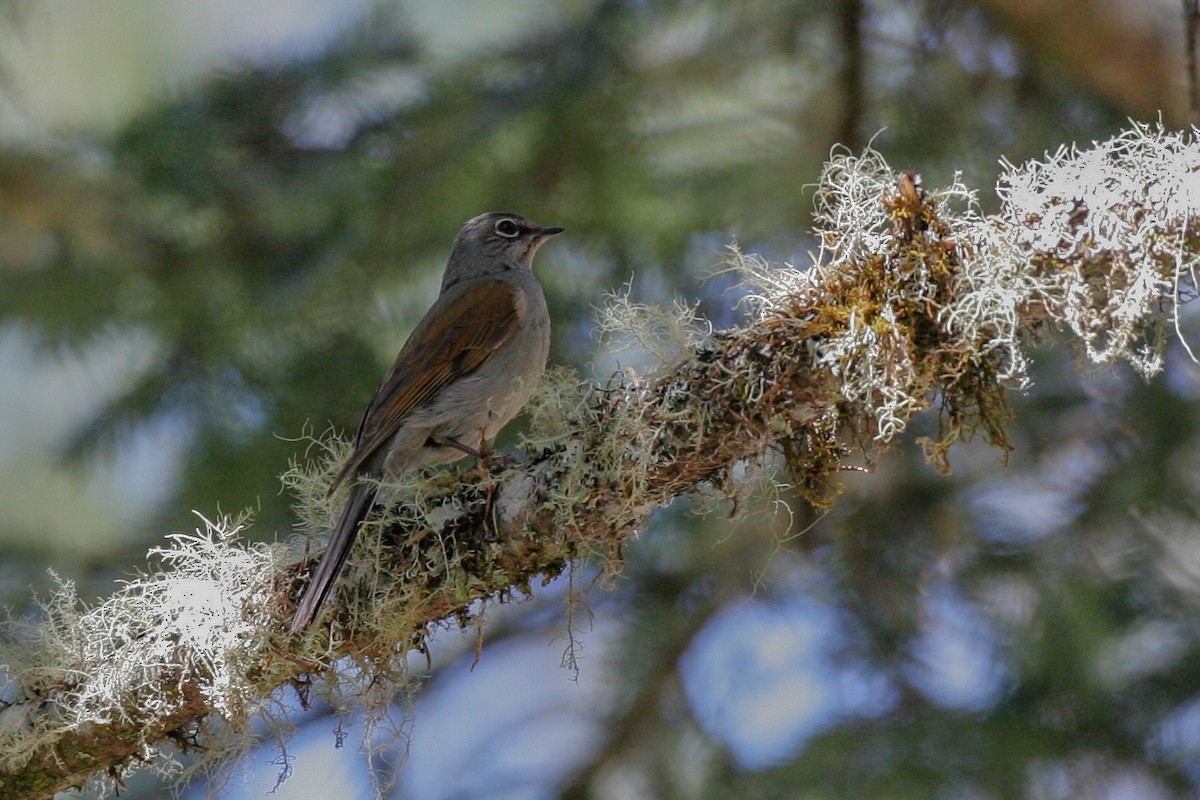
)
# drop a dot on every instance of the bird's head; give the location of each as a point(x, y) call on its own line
point(494, 242)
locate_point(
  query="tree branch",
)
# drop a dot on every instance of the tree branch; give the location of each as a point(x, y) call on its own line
point(915, 300)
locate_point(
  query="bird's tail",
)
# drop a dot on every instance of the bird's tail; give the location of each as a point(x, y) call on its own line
point(362, 497)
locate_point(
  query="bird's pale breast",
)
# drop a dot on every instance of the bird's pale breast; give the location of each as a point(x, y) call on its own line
point(475, 407)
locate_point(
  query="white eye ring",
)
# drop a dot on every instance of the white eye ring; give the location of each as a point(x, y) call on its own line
point(508, 229)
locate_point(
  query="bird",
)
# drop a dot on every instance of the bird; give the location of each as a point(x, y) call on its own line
point(467, 369)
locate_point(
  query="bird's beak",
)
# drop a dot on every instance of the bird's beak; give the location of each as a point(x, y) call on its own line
point(546, 233)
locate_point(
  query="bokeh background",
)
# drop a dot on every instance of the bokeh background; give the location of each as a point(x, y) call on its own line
point(219, 220)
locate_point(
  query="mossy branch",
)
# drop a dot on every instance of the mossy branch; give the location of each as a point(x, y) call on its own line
point(915, 301)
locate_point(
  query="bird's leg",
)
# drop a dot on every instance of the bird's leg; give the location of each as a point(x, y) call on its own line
point(487, 463)
point(449, 441)
point(485, 448)
point(481, 456)
point(482, 463)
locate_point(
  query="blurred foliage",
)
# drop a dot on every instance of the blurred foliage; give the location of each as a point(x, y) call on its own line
point(275, 230)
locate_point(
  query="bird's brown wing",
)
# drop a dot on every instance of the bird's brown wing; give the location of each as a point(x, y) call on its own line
point(462, 329)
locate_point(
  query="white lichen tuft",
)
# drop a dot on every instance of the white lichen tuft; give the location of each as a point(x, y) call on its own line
point(1097, 241)
point(196, 620)
point(992, 292)
point(768, 285)
point(850, 220)
point(666, 334)
point(1115, 218)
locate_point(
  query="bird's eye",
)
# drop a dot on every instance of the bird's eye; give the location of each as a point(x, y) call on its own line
point(507, 228)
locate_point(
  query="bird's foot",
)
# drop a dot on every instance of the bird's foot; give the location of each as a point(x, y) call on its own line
point(492, 463)
point(490, 467)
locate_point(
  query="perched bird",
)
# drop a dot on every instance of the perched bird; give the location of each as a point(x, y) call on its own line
point(467, 369)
